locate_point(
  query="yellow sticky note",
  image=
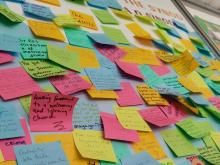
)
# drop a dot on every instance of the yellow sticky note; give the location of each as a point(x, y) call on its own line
point(188, 44)
point(166, 56)
point(216, 138)
point(185, 65)
point(215, 65)
point(101, 94)
point(138, 31)
point(68, 145)
point(151, 96)
point(122, 13)
point(139, 56)
point(87, 57)
point(65, 20)
point(51, 2)
point(84, 20)
point(164, 36)
point(1, 156)
point(91, 144)
point(149, 143)
point(183, 101)
point(8, 163)
point(129, 118)
point(45, 29)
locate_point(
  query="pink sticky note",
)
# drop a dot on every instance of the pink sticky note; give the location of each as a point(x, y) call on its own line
point(5, 57)
point(113, 129)
point(128, 96)
point(215, 101)
point(70, 83)
point(51, 112)
point(156, 117)
point(6, 145)
point(161, 70)
point(15, 82)
point(130, 68)
point(113, 53)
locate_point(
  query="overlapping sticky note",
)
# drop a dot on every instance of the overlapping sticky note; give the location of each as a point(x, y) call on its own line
point(105, 17)
point(101, 38)
point(91, 145)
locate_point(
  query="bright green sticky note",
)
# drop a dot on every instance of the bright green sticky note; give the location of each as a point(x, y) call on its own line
point(195, 129)
point(78, 37)
point(64, 57)
point(65, 20)
point(115, 35)
point(123, 14)
point(209, 141)
point(12, 16)
point(105, 17)
point(145, 19)
point(162, 25)
point(205, 72)
point(164, 36)
point(210, 154)
point(42, 68)
point(178, 142)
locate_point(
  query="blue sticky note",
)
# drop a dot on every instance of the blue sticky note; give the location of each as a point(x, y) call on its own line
point(173, 32)
point(86, 116)
point(198, 58)
point(10, 126)
point(38, 11)
point(104, 61)
point(101, 38)
point(103, 78)
point(161, 45)
point(114, 4)
point(44, 153)
point(199, 99)
point(203, 50)
point(142, 158)
point(9, 43)
point(180, 25)
point(20, 1)
point(97, 3)
point(78, 37)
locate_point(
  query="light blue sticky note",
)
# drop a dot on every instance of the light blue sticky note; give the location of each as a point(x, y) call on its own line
point(185, 162)
point(44, 153)
point(121, 151)
point(103, 78)
point(20, 1)
point(9, 43)
point(173, 32)
point(97, 3)
point(101, 38)
point(78, 37)
point(10, 126)
point(86, 116)
point(161, 45)
point(142, 158)
point(213, 85)
point(114, 4)
point(104, 61)
point(198, 58)
point(180, 25)
point(37, 11)
point(199, 99)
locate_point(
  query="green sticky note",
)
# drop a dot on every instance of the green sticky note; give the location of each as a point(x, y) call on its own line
point(64, 57)
point(116, 35)
point(145, 19)
point(123, 14)
point(209, 142)
point(195, 129)
point(214, 85)
point(178, 143)
point(9, 14)
point(78, 37)
point(162, 25)
point(33, 49)
point(205, 72)
point(65, 20)
point(105, 17)
point(197, 41)
point(164, 36)
point(210, 154)
point(42, 68)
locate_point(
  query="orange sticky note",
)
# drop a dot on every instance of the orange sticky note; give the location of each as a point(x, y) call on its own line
point(101, 94)
point(8, 163)
point(45, 29)
point(149, 143)
point(188, 44)
point(51, 2)
point(1, 156)
point(84, 20)
point(166, 56)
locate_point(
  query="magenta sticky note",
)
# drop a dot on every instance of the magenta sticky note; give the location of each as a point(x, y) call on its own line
point(113, 129)
point(161, 69)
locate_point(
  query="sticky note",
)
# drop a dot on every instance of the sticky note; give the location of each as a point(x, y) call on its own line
point(69, 83)
point(84, 20)
point(64, 57)
point(145, 19)
point(8, 163)
point(150, 144)
point(113, 53)
point(216, 138)
point(65, 20)
point(15, 82)
point(195, 129)
point(215, 100)
point(51, 2)
point(78, 37)
point(161, 69)
point(139, 158)
point(101, 94)
point(97, 3)
point(151, 96)
point(164, 36)
point(37, 11)
point(210, 154)
point(5, 57)
point(91, 145)
point(1, 157)
point(103, 78)
point(124, 95)
point(113, 130)
point(185, 64)
point(114, 4)
point(46, 30)
point(156, 117)
point(180, 25)
point(49, 153)
point(139, 56)
point(86, 116)
point(122, 13)
point(51, 112)
point(162, 25)
point(130, 68)
point(33, 48)
point(9, 14)
point(189, 106)
point(178, 142)
point(9, 43)
point(138, 31)
point(166, 56)
point(174, 33)
point(7, 145)
point(42, 68)
point(167, 161)
point(101, 38)
point(188, 44)
point(105, 17)
point(115, 35)
point(10, 126)
point(198, 99)
point(129, 118)
point(161, 45)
